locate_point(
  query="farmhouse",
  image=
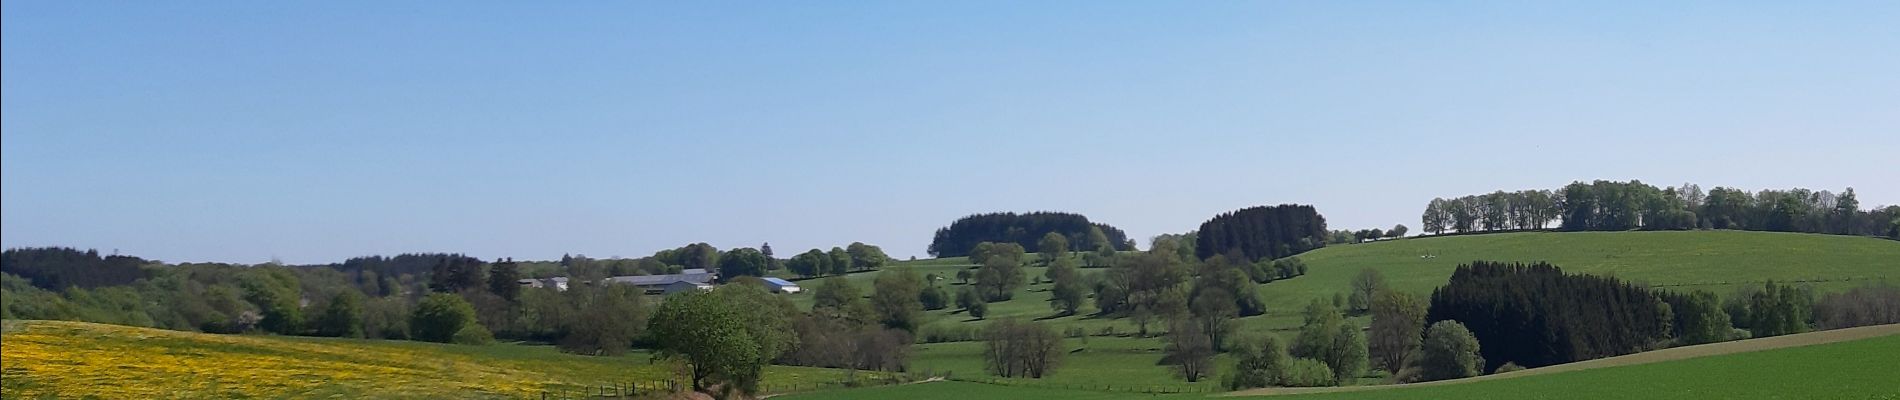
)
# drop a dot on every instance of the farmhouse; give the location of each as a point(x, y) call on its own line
point(556, 282)
point(777, 285)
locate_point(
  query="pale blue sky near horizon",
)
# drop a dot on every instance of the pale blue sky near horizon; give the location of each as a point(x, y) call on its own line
point(315, 131)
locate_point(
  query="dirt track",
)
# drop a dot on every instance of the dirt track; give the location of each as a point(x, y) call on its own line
point(1678, 353)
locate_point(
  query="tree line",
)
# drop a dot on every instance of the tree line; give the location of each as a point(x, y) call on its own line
point(1026, 230)
point(1262, 232)
point(1633, 205)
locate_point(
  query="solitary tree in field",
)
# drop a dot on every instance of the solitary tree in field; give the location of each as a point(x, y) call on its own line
point(1052, 246)
point(1368, 282)
point(1398, 321)
point(1190, 351)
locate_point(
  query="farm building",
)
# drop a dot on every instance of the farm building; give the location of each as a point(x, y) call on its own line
point(683, 286)
point(777, 285)
point(660, 283)
point(555, 282)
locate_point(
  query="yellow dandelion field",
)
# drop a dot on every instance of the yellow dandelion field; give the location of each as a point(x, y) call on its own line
point(80, 360)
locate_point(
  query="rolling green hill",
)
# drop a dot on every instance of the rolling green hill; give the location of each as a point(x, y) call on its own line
point(1717, 261)
point(60, 359)
point(1853, 369)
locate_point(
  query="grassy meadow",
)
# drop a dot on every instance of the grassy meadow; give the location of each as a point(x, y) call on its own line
point(58, 359)
point(1858, 369)
point(1717, 261)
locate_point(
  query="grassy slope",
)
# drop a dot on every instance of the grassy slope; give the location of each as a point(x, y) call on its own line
point(1716, 261)
point(76, 359)
point(1858, 369)
point(1657, 258)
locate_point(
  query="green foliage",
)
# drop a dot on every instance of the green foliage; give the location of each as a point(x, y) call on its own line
point(1067, 294)
point(1001, 273)
point(1699, 317)
point(1398, 323)
point(276, 293)
point(1508, 367)
point(1015, 348)
point(744, 261)
point(933, 298)
point(439, 317)
point(1307, 372)
point(810, 263)
point(343, 317)
point(971, 302)
point(725, 336)
point(1327, 338)
point(840, 261)
point(1449, 352)
point(1537, 315)
point(897, 299)
point(1364, 285)
point(1052, 246)
point(473, 334)
point(504, 279)
point(963, 235)
point(1097, 240)
point(386, 318)
point(1779, 310)
point(1262, 232)
point(837, 297)
point(1875, 304)
point(866, 257)
point(594, 320)
point(1258, 365)
point(454, 273)
point(57, 268)
point(1190, 350)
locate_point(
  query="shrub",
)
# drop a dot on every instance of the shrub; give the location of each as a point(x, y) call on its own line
point(1508, 367)
point(1449, 352)
point(1307, 372)
point(473, 334)
point(440, 316)
point(1862, 306)
point(1258, 365)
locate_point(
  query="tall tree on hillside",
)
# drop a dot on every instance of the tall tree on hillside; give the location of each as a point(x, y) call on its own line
point(809, 264)
point(504, 279)
point(840, 261)
point(1437, 217)
point(1189, 351)
point(1098, 241)
point(454, 273)
point(1398, 320)
point(896, 297)
point(741, 262)
point(771, 262)
point(864, 256)
point(1368, 283)
point(1053, 245)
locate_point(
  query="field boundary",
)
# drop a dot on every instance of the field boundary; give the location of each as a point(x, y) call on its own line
point(1669, 354)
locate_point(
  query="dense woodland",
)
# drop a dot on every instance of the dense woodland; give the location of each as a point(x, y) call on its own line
point(1633, 205)
point(1535, 315)
point(1262, 232)
point(1026, 230)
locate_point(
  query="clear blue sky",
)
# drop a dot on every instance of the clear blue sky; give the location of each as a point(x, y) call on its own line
point(315, 131)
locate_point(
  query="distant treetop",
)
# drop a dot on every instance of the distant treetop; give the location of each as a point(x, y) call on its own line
point(1027, 230)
